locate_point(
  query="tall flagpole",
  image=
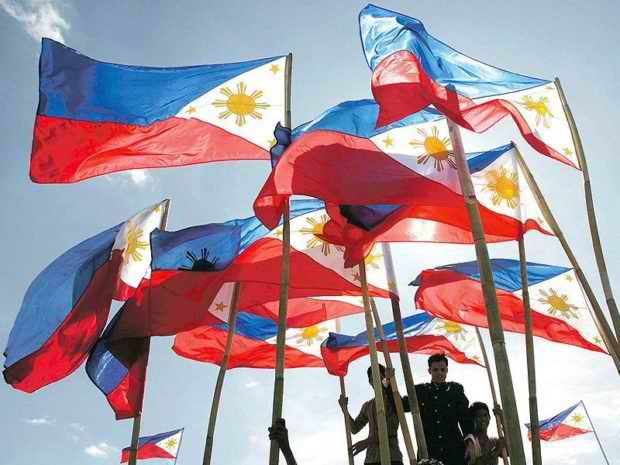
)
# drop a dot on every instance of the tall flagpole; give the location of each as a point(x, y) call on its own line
point(137, 420)
point(179, 448)
point(496, 406)
point(398, 401)
point(217, 393)
point(504, 376)
point(529, 350)
point(594, 431)
point(404, 354)
point(347, 424)
point(384, 444)
point(596, 240)
point(278, 385)
point(606, 332)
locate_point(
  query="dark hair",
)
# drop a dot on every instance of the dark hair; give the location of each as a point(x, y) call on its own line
point(477, 406)
point(430, 462)
point(381, 370)
point(437, 358)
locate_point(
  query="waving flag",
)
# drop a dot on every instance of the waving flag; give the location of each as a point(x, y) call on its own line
point(176, 298)
point(508, 209)
point(254, 344)
point(560, 312)
point(571, 422)
point(341, 158)
point(96, 118)
point(66, 307)
point(423, 335)
point(119, 371)
point(159, 446)
point(412, 70)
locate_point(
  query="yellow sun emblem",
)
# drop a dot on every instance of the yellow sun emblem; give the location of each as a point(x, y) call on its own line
point(504, 186)
point(373, 260)
point(543, 114)
point(315, 228)
point(452, 330)
point(310, 335)
point(577, 418)
point(134, 244)
point(170, 443)
point(558, 304)
point(240, 104)
point(435, 147)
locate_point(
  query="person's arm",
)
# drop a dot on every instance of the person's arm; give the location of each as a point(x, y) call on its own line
point(466, 424)
point(279, 433)
point(356, 423)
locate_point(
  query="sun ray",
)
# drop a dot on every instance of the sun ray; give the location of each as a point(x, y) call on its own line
point(310, 335)
point(315, 229)
point(558, 304)
point(134, 244)
point(504, 186)
point(540, 107)
point(453, 330)
point(436, 148)
point(240, 104)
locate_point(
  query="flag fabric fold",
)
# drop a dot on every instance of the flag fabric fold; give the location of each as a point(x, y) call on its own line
point(66, 307)
point(158, 446)
point(96, 118)
point(571, 422)
point(423, 335)
point(560, 312)
point(412, 70)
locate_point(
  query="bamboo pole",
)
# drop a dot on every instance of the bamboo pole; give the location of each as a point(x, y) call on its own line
point(278, 385)
point(384, 444)
point(135, 430)
point(404, 354)
point(217, 393)
point(594, 234)
point(600, 319)
point(496, 406)
point(595, 434)
point(513, 427)
point(398, 401)
point(531, 362)
point(347, 422)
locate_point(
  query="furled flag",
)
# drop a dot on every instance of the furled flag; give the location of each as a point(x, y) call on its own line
point(176, 298)
point(423, 335)
point(96, 118)
point(66, 307)
point(571, 422)
point(560, 312)
point(159, 446)
point(119, 371)
point(508, 209)
point(254, 344)
point(341, 158)
point(412, 70)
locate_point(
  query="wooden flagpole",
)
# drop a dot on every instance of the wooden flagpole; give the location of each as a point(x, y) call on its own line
point(496, 406)
point(398, 401)
point(347, 424)
point(599, 316)
point(137, 420)
point(531, 362)
point(404, 354)
point(217, 393)
point(384, 445)
point(594, 431)
point(278, 385)
point(596, 240)
point(506, 388)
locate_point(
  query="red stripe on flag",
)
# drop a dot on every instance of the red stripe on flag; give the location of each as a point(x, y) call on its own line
point(147, 451)
point(562, 431)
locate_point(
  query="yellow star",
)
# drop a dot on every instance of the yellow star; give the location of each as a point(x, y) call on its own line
point(272, 142)
point(476, 358)
point(274, 69)
point(279, 232)
point(220, 307)
point(597, 340)
point(392, 286)
point(569, 278)
point(157, 208)
point(191, 109)
point(568, 152)
point(357, 277)
point(388, 142)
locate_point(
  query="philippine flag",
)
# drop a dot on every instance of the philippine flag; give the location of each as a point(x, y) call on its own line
point(159, 446)
point(573, 421)
point(560, 312)
point(66, 307)
point(96, 118)
point(423, 333)
point(412, 70)
point(507, 205)
point(254, 344)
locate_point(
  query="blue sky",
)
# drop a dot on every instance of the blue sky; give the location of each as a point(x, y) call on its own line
point(70, 423)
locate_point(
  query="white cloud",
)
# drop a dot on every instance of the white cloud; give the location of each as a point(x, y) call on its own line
point(39, 421)
point(102, 450)
point(74, 437)
point(40, 18)
point(251, 384)
point(140, 178)
point(77, 426)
